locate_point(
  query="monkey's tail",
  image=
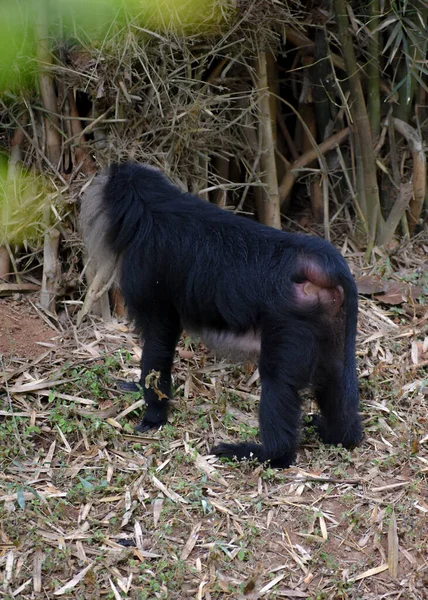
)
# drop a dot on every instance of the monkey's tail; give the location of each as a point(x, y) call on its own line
point(351, 317)
point(328, 270)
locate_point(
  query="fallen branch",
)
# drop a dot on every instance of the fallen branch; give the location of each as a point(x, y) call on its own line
point(8, 289)
point(306, 158)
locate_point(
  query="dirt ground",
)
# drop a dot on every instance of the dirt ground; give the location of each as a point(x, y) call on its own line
point(89, 509)
point(22, 329)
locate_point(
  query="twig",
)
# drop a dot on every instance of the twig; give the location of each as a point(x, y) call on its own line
point(307, 158)
point(80, 135)
point(33, 143)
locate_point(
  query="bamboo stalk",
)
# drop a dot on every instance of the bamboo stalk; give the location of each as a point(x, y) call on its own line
point(221, 167)
point(325, 204)
point(81, 154)
point(51, 270)
point(300, 40)
point(15, 158)
point(4, 263)
point(47, 88)
point(362, 124)
point(321, 80)
point(419, 179)
point(406, 92)
point(271, 209)
point(286, 134)
point(362, 223)
point(373, 69)
point(396, 213)
point(307, 112)
point(389, 232)
point(51, 267)
point(272, 77)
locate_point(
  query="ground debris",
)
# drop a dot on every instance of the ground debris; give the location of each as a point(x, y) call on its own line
point(89, 509)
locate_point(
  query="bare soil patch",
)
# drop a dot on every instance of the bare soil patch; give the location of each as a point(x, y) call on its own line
point(22, 330)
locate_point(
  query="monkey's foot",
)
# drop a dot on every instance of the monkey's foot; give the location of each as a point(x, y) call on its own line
point(248, 451)
point(146, 425)
point(349, 436)
point(128, 386)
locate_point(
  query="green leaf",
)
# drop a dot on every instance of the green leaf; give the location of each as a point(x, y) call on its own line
point(420, 80)
point(20, 497)
point(87, 485)
point(396, 32)
point(396, 88)
point(397, 44)
point(389, 21)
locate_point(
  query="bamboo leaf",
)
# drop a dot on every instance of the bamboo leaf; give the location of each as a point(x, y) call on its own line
point(423, 70)
point(386, 23)
point(394, 34)
point(396, 88)
point(420, 80)
point(406, 48)
point(397, 44)
point(422, 22)
point(418, 40)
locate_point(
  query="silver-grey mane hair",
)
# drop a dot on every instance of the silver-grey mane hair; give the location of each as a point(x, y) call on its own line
point(94, 225)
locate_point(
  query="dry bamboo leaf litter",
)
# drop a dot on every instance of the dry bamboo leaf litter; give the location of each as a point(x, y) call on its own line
point(265, 589)
point(94, 491)
point(37, 571)
point(74, 581)
point(191, 542)
point(370, 572)
point(393, 547)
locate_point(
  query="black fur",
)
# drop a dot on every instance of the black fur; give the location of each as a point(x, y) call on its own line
point(185, 263)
